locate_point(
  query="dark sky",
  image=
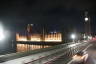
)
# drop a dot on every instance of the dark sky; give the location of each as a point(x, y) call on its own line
point(56, 13)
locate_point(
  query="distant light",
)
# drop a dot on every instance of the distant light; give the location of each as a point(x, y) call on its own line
point(89, 37)
point(86, 19)
point(1, 33)
point(84, 36)
point(73, 36)
point(31, 24)
point(51, 32)
point(55, 32)
point(1, 36)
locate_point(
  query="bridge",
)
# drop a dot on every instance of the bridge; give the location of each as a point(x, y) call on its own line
point(59, 54)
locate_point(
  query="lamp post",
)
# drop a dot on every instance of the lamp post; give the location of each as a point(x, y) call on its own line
point(87, 26)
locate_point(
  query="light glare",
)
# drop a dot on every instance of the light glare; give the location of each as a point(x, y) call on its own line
point(1, 34)
point(86, 19)
point(73, 36)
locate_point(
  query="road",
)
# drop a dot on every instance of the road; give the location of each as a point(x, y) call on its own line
point(48, 55)
point(91, 54)
point(90, 50)
point(63, 59)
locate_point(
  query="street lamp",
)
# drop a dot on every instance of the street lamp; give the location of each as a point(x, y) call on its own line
point(86, 19)
point(73, 36)
point(86, 16)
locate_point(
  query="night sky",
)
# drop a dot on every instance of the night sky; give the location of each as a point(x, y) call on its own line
point(15, 15)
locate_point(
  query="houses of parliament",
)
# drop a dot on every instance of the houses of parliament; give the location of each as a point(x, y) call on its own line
point(32, 41)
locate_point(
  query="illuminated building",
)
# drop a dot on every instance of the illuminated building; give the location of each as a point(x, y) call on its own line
point(53, 37)
point(32, 41)
point(34, 38)
point(57, 37)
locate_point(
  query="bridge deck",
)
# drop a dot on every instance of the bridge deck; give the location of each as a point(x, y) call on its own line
point(91, 51)
point(43, 56)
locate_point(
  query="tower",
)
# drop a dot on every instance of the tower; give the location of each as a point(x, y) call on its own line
point(29, 28)
point(29, 31)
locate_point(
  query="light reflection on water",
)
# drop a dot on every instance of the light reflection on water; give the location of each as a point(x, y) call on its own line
point(28, 47)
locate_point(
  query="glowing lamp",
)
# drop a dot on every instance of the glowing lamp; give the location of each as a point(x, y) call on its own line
point(86, 19)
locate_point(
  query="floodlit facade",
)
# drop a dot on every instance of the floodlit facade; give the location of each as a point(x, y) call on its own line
point(35, 37)
point(55, 37)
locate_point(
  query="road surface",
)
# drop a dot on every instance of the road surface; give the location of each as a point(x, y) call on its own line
point(91, 52)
